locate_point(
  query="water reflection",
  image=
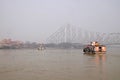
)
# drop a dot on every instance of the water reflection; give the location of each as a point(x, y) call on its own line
point(98, 60)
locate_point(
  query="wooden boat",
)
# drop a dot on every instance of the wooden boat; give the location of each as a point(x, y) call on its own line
point(94, 47)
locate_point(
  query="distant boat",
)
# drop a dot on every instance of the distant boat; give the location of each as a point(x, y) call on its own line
point(41, 47)
point(94, 47)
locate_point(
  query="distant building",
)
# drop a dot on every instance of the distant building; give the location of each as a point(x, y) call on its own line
point(8, 43)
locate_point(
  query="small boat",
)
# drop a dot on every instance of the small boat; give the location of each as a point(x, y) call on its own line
point(94, 47)
point(41, 47)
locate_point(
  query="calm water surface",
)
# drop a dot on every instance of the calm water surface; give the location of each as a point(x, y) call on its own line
point(59, 65)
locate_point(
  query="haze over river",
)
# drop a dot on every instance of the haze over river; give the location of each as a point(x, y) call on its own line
point(59, 64)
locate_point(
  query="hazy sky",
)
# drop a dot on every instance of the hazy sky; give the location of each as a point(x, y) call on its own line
point(35, 20)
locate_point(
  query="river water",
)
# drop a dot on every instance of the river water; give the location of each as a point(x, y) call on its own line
point(59, 64)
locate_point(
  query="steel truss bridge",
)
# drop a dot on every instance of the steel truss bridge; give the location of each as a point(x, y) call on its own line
point(71, 34)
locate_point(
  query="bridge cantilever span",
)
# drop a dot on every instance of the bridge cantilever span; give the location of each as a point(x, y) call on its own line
point(71, 34)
